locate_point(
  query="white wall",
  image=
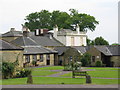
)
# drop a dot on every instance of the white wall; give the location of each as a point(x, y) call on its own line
point(62, 39)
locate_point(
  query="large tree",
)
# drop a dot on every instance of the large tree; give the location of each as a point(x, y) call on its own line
point(46, 19)
point(85, 21)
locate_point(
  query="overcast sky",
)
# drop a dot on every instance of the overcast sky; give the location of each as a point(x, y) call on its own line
point(13, 12)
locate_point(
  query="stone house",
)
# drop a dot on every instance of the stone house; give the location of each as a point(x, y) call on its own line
point(108, 55)
point(11, 35)
point(65, 53)
point(39, 54)
point(10, 52)
point(35, 52)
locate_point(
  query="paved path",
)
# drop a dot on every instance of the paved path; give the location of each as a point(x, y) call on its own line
point(60, 86)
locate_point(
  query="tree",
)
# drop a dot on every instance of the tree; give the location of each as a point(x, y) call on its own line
point(97, 41)
point(100, 41)
point(115, 44)
point(89, 42)
point(86, 59)
point(38, 20)
point(62, 19)
point(7, 69)
point(85, 21)
point(46, 19)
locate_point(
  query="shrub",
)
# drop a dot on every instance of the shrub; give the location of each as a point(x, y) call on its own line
point(7, 70)
point(86, 59)
point(98, 64)
point(34, 63)
point(23, 73)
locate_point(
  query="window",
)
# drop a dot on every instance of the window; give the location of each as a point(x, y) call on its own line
point(34, 57)
point(48, 56)
point(41, 58)
point(27, 58)
point(93, 58)
point(72, 41)
point(81, 41)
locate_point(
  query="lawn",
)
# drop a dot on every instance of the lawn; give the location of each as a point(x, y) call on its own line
point(42, 73)
point(57, 80)
point(102, 68)
point(103, 74)
point(50, 68)
point(66, 78)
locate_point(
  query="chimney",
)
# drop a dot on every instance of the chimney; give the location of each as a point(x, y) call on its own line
point(78, 29)
point(25, 31)
point(12, 29)
point(37, 32)
point(55, 29)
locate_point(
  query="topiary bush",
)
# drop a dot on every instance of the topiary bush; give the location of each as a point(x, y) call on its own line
point(98, 64)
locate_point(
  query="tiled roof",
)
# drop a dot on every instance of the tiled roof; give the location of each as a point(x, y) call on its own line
point(61, 49)
point(24, 41)
point(8, 46)
point(37, 50)
point(109, 50)
point(81, 49)
point(46, 41)
point(12, 33)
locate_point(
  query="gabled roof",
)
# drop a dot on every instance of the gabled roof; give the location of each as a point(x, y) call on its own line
point(81, 49)
point(106, 50)
point(37, 50)
point(12, 33)
point(109, 50)
point(8, 46)
point(61, 49)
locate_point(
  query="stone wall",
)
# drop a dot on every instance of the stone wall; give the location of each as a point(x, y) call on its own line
point(116, 60)
point(11, 56)
point(38, 60)
point(94, 52)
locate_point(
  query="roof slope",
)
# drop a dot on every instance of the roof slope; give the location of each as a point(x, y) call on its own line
point(8, 46)
point(37, 50)
point(46, 41)
point(24, 41)
point(12, 33)
point(61, 50)
point(109, 50)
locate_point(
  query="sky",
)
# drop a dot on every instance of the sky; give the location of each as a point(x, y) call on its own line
point(13, 13)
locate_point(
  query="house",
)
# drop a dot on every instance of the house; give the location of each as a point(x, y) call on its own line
point(10, 52)
point(11, 35)
point(33, 51)
point(109, 55)
point(69, 37)
point(65, 52)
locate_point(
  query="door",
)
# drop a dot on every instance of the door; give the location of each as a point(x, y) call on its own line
point(48, 62)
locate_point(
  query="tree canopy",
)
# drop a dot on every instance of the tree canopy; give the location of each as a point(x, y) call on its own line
point(46, 19)
point(98, 41)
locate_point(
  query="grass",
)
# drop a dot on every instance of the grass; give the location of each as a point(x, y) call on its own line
point(102, 68)
point(103, 74)
point(50, 68)
point(42, 73)
point(45, 71)
point(57, 80)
